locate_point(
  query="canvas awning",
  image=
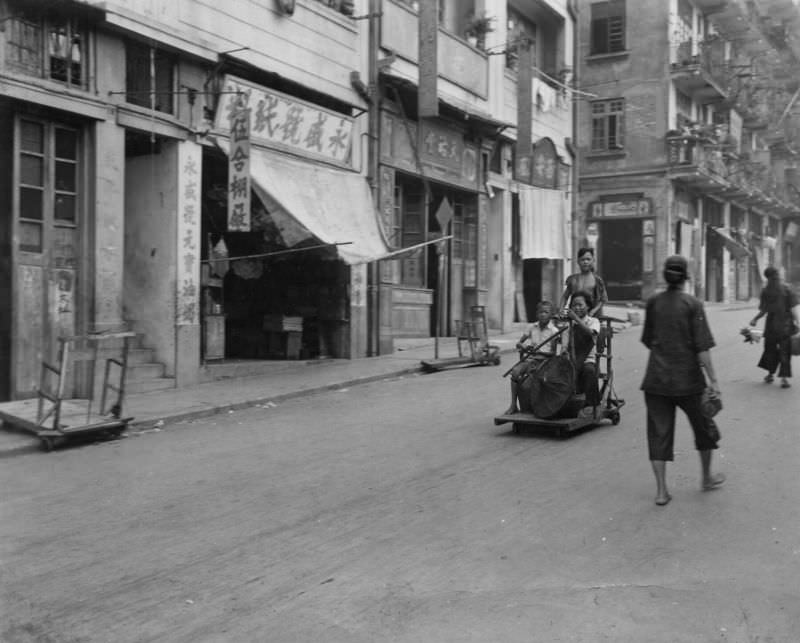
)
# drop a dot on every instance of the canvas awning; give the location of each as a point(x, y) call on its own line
point(544, 224)
point(737, 249)
point(333, 205)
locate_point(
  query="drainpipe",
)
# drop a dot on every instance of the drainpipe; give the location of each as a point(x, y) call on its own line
point(373, 271)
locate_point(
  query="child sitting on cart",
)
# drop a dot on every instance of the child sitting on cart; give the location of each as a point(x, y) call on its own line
point(535, 336)
point(582, 339)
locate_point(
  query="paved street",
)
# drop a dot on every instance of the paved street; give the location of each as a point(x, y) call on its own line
point(396, 511)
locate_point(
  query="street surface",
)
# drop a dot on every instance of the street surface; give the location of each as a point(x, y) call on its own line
point(396, 511)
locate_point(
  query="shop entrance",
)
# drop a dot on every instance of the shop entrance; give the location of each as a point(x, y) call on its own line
point(272, 293)
point(620, 260)
point(46, 245)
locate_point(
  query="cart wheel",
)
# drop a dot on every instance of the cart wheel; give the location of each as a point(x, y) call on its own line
point(614, 417)
point(496, 360)
point(47, 444)
point(516, 428)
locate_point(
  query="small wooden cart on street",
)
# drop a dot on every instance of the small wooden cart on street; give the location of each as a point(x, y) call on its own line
point(548, 399)
point(55, 418)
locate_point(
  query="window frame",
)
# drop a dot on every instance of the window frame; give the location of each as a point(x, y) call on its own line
point(158, 62)
point(607, 17)
point(39, 61)
point(610, 122)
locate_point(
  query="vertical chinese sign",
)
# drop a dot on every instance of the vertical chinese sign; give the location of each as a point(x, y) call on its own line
point(428, 99)
point(522, 171)
point(239, 167)
point(188, 268)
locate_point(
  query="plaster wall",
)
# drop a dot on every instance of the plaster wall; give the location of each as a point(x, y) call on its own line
point(151, 249)
point(317, 46)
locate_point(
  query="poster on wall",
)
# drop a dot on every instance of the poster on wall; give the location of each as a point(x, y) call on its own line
point(188, 268)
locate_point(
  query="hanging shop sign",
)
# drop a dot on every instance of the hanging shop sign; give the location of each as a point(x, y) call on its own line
point(428, 28)
point(239, 170)
point(524, 145)
point(620, 208)
point(188, 264)
point(286, 123)
point(443, 153)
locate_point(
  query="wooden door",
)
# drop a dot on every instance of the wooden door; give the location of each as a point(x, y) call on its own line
point(46, 203)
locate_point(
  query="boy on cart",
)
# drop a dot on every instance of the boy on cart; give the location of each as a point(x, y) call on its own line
point(534, 349)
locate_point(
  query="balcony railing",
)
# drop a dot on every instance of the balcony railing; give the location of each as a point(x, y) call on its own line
point(709, 160)
point(701, 71)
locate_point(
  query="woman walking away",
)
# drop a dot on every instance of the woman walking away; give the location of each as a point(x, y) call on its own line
point(778, 304)
point(586, 281)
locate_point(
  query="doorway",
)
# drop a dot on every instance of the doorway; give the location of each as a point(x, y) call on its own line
point(621, 252)
point(46, 244)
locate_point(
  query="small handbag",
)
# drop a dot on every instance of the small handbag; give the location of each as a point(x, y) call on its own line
point(711, 403)
point(712, 429)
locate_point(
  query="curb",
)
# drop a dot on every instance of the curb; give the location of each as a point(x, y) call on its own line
point(151, 423)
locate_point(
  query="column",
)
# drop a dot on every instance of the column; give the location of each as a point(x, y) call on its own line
point(109, 225)
point(727, 264)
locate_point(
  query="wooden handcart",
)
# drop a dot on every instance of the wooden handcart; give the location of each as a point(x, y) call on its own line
point(55, 418)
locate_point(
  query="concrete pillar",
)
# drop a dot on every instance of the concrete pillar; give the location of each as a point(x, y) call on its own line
point(701, 259)
point(109, 228)
point(728, 288)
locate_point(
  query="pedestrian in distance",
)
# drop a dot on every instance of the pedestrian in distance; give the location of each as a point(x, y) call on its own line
point(677, 334)
point(536, 335)
point(587, 280)
point(778, 303)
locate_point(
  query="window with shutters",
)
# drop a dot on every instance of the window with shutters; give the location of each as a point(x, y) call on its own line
point(46, 43)
point(608, 27)
point(608, 117)
point(149, 77)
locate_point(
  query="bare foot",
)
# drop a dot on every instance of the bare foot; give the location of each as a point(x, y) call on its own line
point(663, 500)
point(713, 482)
point(511, 410)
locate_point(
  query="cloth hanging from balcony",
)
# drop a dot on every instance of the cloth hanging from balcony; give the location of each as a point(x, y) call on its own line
point(333, 205)
point(738, 250)
point(543, 223)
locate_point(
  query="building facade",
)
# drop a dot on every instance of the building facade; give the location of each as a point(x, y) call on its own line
point(253, 181)
point(680, 145)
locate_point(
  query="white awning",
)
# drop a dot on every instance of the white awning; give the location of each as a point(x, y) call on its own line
point(544, 224)
point(334, 205)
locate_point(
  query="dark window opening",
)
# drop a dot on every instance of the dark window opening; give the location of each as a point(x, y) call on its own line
point(608, 27)
point(149, 77)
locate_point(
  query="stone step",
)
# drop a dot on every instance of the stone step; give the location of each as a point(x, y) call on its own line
point(144, 370)
point(149, 385)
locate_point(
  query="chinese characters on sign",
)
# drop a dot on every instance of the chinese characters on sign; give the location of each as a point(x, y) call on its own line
point(188, 268)
point(239, 170)
point(281, 121)
point(634, 207)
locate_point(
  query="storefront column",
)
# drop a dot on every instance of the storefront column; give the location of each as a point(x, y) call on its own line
point(700, 274)
point(109, 225)
point(187, 296)
point(728, 281)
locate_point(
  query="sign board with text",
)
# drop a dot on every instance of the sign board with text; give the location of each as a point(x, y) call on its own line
point(286, 123)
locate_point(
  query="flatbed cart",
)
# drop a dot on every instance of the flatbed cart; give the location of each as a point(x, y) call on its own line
point(548, 399)
point(52, 417)
point(474, 334)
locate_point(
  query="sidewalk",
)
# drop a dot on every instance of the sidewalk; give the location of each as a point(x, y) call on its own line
point(290, 379)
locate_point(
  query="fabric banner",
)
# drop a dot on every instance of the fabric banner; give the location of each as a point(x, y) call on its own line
point(239, 172)
point(544, 224)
